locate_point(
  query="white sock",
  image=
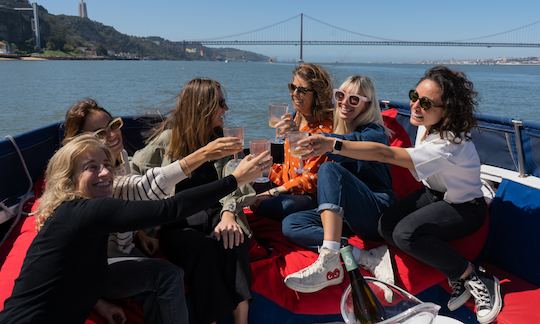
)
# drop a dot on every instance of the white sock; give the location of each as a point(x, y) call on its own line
point(331, 245)
point(356, 252)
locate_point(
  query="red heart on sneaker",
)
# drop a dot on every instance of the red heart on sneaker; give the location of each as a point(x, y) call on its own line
point(332, 274)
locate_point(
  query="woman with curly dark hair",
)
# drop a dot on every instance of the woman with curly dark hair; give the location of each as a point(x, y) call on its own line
point(452, 205)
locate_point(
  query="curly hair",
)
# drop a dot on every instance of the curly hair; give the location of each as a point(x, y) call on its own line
point(318, 79)
point(59, 183)
point(459, 100)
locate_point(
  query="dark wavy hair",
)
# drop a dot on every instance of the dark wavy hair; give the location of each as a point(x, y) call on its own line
point(459, 100)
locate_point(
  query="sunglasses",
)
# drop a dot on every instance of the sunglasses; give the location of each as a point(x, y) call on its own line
point(222, 103)
point(353, 100)
point(301, 90)
point(113, 126)
point(425, 102)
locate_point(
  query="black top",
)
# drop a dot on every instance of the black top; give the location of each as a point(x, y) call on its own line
point(63, 271)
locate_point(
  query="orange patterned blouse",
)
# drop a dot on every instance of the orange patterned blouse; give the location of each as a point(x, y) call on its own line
point(284, 174)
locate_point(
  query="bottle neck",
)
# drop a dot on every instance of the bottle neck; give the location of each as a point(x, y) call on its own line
point(348, 259)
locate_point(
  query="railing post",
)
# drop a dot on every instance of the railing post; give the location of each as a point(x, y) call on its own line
point(519, 147)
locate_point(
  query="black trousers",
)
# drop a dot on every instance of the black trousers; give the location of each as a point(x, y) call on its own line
point(422, 225)
point(217, 279)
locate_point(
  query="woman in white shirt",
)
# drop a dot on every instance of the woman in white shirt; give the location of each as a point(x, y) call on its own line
point(451, 206)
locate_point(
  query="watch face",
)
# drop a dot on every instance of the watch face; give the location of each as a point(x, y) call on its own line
point(337, 145)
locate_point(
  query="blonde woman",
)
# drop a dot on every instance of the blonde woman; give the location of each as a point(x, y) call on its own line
point(351, 195)
point(65, 268)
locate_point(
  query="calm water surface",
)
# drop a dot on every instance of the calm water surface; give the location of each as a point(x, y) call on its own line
point(35, 94)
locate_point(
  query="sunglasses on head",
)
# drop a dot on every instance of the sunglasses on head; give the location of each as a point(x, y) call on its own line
point(301, 90)
point(353, 100)
point(425, 102)
point(113, 125)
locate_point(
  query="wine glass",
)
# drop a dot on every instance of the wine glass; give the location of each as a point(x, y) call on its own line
point(234, 132)
point(403, 308)
point(298, 150)
point(256, 147)
point(275, 112)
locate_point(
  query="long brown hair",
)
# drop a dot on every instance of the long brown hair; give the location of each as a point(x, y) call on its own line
point(319, 80)
point(76, 116)
point(191, 120)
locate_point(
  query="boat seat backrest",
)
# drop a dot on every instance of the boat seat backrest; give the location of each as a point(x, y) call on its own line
point(514, 233)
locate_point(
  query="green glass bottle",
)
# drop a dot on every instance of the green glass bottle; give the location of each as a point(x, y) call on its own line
point(367, 308)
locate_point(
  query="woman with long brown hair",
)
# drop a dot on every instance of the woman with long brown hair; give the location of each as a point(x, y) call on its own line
point(196, 120)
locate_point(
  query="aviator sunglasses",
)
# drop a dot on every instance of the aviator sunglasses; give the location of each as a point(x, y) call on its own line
point(113, 125)
point(353, 100)
point(301, 90)
point(425, 102)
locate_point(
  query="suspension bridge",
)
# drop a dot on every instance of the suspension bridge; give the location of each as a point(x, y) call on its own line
point(309, 31)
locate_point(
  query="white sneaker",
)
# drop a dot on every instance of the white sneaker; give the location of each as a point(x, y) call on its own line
point(325, 271)
point(379, 263)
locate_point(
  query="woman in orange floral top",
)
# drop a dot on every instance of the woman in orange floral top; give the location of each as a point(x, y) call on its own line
point(311, 96)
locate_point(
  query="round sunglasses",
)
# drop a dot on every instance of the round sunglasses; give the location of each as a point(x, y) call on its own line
point(113, 125)
point(353, 100)
point(425, 102)
point(301, 90)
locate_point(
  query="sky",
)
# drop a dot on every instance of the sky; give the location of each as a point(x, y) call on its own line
point(420, 20)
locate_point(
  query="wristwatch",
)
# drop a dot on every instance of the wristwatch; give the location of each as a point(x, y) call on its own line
point(337, 146)
point(274, 192)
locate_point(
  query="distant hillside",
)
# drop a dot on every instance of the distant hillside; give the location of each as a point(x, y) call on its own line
point(84, 37)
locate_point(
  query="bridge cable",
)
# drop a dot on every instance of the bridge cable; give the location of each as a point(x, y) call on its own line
point(350, 31)
point(250, 31)
point(500, 33)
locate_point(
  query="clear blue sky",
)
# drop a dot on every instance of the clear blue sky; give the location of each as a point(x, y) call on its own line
point(422, 20)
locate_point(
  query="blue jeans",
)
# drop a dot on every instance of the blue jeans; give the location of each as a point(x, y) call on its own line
point(279, 207)
point(340, 191)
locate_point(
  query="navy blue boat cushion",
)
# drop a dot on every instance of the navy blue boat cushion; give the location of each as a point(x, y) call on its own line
point(514, 239)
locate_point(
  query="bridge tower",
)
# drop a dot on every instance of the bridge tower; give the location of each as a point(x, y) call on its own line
point(301, 59)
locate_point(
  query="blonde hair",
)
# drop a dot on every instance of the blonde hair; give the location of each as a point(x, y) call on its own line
point(360, 85)
point(320, 81)
point(191, 120)
point(59, 182)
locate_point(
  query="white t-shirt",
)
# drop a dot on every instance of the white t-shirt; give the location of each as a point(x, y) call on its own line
point(447, 167)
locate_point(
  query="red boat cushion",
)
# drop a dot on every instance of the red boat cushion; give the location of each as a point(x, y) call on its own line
point(286, 258)
point(403, 183)
point(12, 254)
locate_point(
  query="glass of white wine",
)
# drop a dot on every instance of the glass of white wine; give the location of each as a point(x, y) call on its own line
point(275, 112)
point(234, 132)
point(298, 150)
point(256, 147)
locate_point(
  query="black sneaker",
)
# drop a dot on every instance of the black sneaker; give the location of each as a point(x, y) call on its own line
point(460, 294)
point(486, 291)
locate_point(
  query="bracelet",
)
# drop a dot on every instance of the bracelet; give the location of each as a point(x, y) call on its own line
point(185, 167)
point(274, 192)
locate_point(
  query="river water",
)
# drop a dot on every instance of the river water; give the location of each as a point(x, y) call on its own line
point(37, 93)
